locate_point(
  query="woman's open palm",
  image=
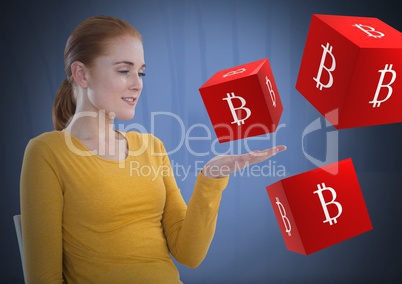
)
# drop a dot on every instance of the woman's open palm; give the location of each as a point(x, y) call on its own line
point(225, 165)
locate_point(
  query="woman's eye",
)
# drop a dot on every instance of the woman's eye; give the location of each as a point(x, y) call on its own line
point(141, 74)
point(123, 71)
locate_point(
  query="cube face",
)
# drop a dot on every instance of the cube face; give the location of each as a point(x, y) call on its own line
point(285, 218)
point(325, 90)
point(242, 101)
point(341, 69)
point(324, 209)
point(369, 103)
point(364, 32)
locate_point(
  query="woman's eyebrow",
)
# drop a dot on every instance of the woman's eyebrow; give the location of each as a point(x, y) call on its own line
point(124, 62)
point(128, 63)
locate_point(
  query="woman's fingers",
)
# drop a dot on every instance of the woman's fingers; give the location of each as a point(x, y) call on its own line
point(269, 151)
point(259, 156)
point(225, 165)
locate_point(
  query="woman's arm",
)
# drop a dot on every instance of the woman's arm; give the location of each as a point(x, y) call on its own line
point(189, 230)
point(41, 214)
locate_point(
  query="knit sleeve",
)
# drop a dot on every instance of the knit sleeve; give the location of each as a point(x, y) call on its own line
point(189, 230)
point(41, 214)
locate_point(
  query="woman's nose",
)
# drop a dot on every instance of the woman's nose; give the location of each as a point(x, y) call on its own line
point(136, 82)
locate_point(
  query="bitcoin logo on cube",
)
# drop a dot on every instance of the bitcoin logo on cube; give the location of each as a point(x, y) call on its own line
point(317, 209)
point(236, 119)
point(286, 222)
point(354, 65)
point(242, 101)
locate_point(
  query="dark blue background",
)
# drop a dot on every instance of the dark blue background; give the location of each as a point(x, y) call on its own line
point(185, 43)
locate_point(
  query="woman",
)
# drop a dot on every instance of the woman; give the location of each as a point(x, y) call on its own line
point(86, 218)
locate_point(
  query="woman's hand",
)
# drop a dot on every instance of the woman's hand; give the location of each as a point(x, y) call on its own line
point(221, 166)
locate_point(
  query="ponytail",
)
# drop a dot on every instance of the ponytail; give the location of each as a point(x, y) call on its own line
point(64, 105)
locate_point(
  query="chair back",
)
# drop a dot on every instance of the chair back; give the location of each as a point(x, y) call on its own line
point(17, 223)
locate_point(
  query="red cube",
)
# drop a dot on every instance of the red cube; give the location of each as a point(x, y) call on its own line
point(317, 209)
point(242, 101)
point(353, 65)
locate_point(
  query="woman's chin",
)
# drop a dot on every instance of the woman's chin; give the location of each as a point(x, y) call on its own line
point(125, 116)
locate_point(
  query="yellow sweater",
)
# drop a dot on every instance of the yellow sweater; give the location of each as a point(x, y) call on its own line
point(91, 220)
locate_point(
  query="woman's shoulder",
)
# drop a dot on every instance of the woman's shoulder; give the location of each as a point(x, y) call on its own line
point(50, 136)
point(52, 139)
point(46, 142)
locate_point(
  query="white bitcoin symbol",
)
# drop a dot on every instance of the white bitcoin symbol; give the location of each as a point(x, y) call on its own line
point(286, 222)
point(325, 204)
point(327, 50)
point(229, 98)
point(230, 73)
point(375, 101)
point(370, 31)
point(271, 91)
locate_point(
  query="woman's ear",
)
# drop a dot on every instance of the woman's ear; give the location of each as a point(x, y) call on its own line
point(79, 73)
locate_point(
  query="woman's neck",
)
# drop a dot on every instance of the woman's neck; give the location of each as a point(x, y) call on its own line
point(92, 125)
point(95, 130)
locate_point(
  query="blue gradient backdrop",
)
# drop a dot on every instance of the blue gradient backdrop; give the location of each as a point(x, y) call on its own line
point(185, 43)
